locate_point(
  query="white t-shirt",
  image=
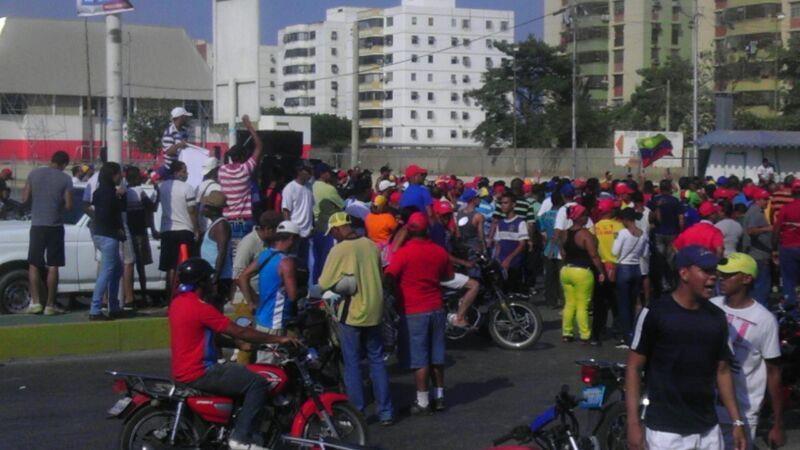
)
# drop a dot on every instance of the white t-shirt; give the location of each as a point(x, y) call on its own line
point(176, 198)
point(629, 249)
point(563, 223)
point(731, 232)
point(765, 173)
point(299, 200)
point(547, 205)
point(753, 336)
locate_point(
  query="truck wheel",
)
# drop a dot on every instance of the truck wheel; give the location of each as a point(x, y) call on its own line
point(14, 292)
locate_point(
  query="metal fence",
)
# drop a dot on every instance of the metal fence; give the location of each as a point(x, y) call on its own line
point(503, 163)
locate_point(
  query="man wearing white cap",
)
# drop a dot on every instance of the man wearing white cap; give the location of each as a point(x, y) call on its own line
point(176, 136)
point(386, 187)
point(207, 186)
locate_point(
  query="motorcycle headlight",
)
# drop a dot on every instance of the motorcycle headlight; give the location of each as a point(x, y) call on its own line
point(312, 357)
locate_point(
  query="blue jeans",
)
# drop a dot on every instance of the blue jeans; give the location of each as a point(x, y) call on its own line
point(351, 353)
point(789, 258)
point(763, 283)
point(108, 276)
point(421, 340)
point(629, 285)
point(321, 245)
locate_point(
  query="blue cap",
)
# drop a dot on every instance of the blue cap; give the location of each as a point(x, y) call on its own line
point(568, 190)
point(321, 168)
point(722, 181)
point(551, 186)
point(468, 195)
point(695, 255)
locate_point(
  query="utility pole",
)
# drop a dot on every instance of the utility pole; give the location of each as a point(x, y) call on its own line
point(514, 111)
point(114, 86)
point(695, 61)
point(89, 91)
point(574, 23)
point(669, 92)
point(354, 122)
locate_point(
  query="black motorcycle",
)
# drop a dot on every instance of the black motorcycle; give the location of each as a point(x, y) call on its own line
point(789, 333)
point(511, 320)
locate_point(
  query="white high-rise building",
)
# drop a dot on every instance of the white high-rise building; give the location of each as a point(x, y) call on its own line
point(268, 66)
point(416, 61)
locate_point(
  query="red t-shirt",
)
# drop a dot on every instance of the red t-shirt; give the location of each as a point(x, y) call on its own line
point(418, 267)
point(703, 234)
point(788, 224)
point(192, 325)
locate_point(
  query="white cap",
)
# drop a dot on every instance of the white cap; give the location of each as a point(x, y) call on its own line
point(180, 112)
point(288, 227)
point(210, 164)
point(386, 184)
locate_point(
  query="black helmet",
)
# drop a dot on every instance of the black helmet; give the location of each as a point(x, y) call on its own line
point(194, 271)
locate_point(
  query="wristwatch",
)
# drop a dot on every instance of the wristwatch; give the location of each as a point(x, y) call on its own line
point(738, 423)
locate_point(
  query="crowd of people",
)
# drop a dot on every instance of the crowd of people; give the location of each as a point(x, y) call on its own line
point(599, 249)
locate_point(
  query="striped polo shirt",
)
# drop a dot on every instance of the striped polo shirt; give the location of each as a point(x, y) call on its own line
point(235, 181)
point(171, 136)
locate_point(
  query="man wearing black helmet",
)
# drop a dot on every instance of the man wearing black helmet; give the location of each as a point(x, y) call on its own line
point(193, 324)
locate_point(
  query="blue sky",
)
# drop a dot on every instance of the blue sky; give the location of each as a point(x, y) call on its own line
point(195, 15)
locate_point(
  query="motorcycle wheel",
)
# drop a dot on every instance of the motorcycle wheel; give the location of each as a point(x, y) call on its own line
point(510, 337)
point(612, 431)
point(349, 422)
point(150, 427)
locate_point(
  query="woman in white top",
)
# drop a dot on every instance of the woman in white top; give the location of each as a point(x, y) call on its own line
point(630, 246)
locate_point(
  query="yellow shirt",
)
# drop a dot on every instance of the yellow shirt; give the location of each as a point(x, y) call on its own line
point(606, 231)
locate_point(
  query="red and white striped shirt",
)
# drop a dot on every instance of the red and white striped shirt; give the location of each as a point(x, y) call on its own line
point(235, 181)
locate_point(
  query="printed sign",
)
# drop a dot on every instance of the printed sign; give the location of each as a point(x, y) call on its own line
point(102, 7)
point(627, 152)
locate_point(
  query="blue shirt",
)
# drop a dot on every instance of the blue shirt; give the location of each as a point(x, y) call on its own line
point(416, 196)
point(670, 209)
point(510, 232)
point(438, 234)
point(740, 198)
point(691, 216)
point(274, 307)
point(547, 223)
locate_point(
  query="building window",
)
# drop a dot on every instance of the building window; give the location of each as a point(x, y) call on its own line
point(489, 25)
point(619, 57)
point(430, 96)
point(413, 113)
point(465, 115)
point(467, 42)
point(454, 60)
point(334, 52)
point(431, 40)
point(430, 115)
point(388, 132)
point(619, 35)
point(453, 78)
point(430, 134)
point(795, 10)
point(453, 134)
point(271, 84)
point(387, 95)
point(453, 115)
point(466, 99)
point(334, 85)
point(454, 96)
point(334, 68)
point(334, 35)
point(413, 133)
point(388, 40)
point(465, 79)
point(271, 70)
point(414, 39)
point(430, 59)
point(414, 58)
point(465, 24)
point(272, 97)
point(504, 25)
point(453, 22)
point(465, 134)
point(489, 43)
point(430, 78)
point(413, 20)
point(430, 21)
point(676, 34)
point(454, 42)
point(618, 80)
point(413, 76)
point(489, 63)
point(334, 103)
point(388, 77)
point(619, 8)
point(467, 61)
point(414, 95)
point(388, 113)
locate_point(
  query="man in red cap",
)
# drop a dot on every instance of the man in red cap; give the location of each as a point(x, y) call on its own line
point(422, 317)
point(416, 194)
point(703, 233)
point(624, 192)
point(787, 233)
point(757, 243)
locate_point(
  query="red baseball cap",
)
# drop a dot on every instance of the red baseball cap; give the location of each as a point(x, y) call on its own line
point(606, 205)
point(622, 189)
point(395, 197)
point(724, 193)
point(576, 211)
point(7, 172)
point(417, 222)
point(707, 208)
point(413, 170)
point(759, 194)
point(442, 207)
point(579, 183)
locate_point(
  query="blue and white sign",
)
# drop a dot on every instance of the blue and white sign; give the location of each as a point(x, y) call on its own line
point(102, 7)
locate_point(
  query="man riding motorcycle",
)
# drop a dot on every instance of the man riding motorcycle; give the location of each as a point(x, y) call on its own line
point(193, 324)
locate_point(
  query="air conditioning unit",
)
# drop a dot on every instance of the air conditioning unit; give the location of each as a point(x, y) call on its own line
point(605, 18)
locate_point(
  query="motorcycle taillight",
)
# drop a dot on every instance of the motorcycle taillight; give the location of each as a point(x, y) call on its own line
point(589, 374)
point(119, 386)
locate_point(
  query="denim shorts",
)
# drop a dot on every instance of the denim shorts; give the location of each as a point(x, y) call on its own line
point(421, 340)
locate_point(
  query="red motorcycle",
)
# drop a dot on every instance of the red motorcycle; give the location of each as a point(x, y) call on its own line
point(160, 413)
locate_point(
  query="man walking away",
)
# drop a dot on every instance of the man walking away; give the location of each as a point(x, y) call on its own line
point(422, 318)
point(50, 192)
point(753, 336)
point(681, 340)
point(758, 243)
point(787, 231)
point(140, 217)
point(178, 220)
point(359, 314)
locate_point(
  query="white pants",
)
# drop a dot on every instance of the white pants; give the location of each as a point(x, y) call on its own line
point(749, 431)
point(457, 282)
point(661, 440)
point(268, 357)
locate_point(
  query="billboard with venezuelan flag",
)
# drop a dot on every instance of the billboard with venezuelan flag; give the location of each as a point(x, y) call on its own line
point(648, 148)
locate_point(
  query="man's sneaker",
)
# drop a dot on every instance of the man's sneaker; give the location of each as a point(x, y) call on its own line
point(622, 345)
point(99, 318)
point(53, 311)
point(236, 445)
point(438, 404)
point(34, 308)
point(417, 410)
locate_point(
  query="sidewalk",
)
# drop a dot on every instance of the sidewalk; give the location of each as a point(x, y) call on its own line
point(25, 336)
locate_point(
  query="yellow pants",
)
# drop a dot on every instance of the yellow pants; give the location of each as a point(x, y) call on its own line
point(578, 284)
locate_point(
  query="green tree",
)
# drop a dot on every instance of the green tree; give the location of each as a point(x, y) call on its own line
point(145, 128)
point(330, 130)
point(273, 111)
point(543, 106)
point(789, 73)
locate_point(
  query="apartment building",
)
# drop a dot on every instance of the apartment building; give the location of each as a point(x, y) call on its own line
point(415, 62)
point(268, 66)
point(616, 38)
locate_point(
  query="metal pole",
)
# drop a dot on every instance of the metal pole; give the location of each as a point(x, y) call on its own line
point(89, 91)
point(669, 92)
point(514, 112)
point(695, 58)
point(574, 24)
point(354, 122)
point(114, 86)
point(128, 103)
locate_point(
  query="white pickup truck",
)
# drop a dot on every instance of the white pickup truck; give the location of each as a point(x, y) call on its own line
point(79, 275)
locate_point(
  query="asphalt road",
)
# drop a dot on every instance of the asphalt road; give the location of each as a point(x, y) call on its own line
point(61, 404)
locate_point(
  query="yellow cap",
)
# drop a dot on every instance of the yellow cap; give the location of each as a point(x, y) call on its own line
point(336, 220)
point(739, 263)
point(379, 200)
point(483, 192)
